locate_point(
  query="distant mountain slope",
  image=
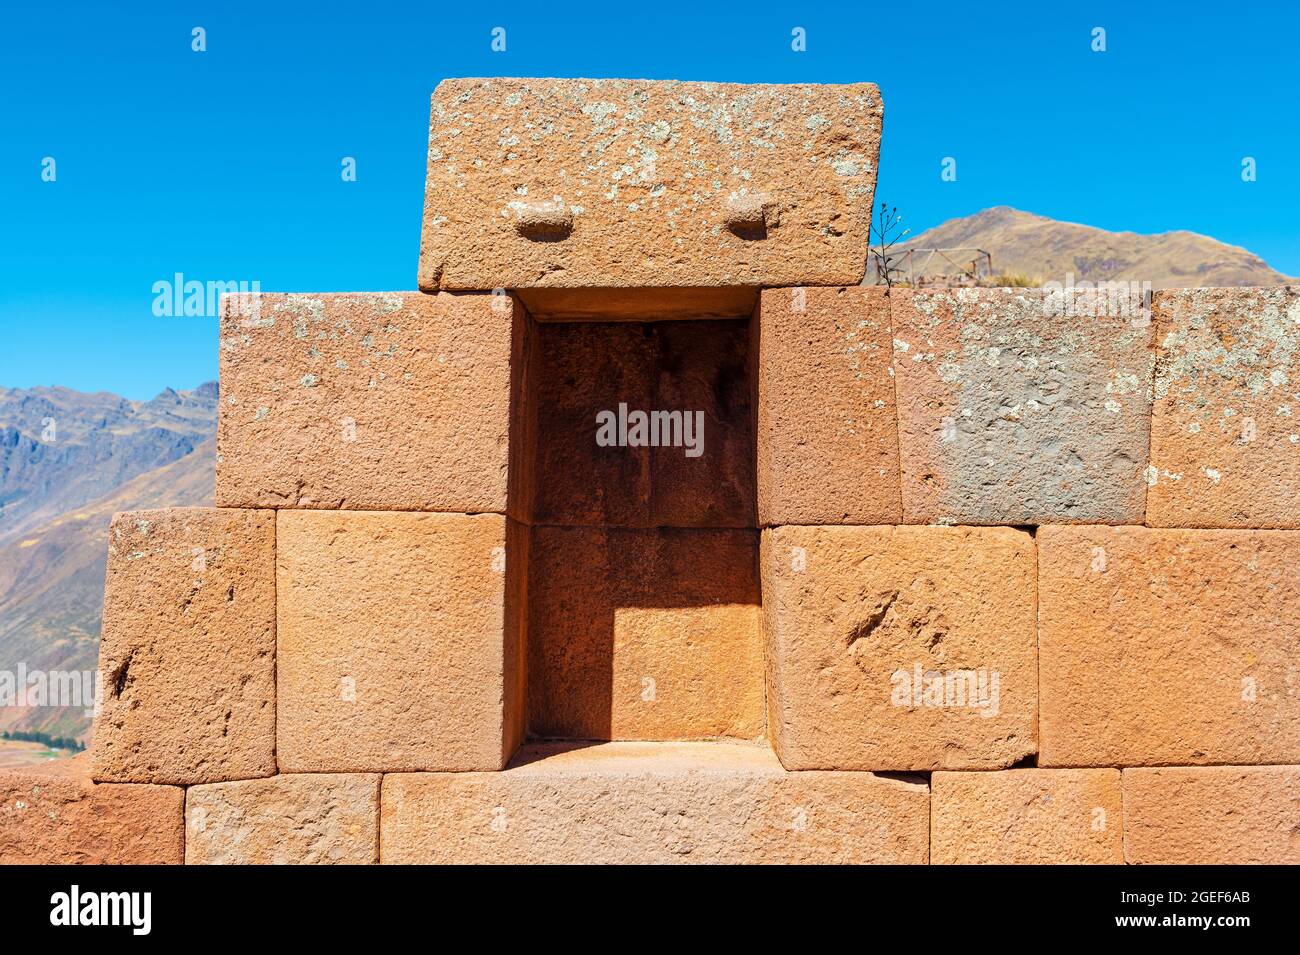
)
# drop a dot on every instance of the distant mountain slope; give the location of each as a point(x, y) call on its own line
point(1022, 243)
point(108, 455)
point(61, 449)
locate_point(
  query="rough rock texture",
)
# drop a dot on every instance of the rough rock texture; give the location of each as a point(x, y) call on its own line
point(1216, 815)
point(1027, 817)
point(187, 657)
point(900, 648)
point(393, 401)
point(54, 814)
point(571, 182)
point(309, 819)
point(397, 642)
point(1021, 406)
point(585, 369)
point(827, 428)
point(1167, 646)
point(1225, 429)
point(644, 634)
point(652, 803)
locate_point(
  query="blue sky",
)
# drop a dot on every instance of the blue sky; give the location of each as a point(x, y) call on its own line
point(225, 165)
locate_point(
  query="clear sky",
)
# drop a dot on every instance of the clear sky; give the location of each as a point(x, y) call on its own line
point(225, 165)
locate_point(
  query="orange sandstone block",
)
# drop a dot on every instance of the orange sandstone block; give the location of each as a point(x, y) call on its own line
point(395, 401)
point(399, 638)
point(900, 648)
point(1167, 646)
point(590, 183)
point(644, 634)
point(1217, 815)
point(1021, 406)
point(1027, 817)
point(308, 819)
point(827, 429)
point(54, 814)
point(1225, 430)
point(652, 803)
point(187, 655)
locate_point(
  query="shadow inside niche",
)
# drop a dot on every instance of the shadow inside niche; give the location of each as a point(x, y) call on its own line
point(644, 633)
point(642, 585)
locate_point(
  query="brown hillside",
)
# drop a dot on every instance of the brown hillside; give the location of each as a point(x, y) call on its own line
point(1022, 243)
point(52, 582)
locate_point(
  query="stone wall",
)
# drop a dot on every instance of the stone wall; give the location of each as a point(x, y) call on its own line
point(980, 575)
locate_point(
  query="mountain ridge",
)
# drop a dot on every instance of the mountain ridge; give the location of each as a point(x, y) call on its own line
point(1038, 247)
point(61, 449)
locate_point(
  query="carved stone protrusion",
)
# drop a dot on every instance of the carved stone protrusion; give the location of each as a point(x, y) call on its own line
point(752, 214)
point(548, 220)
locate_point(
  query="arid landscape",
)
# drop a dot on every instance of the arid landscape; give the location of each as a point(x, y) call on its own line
point(68, 461)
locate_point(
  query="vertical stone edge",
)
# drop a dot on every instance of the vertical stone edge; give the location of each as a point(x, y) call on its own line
point(514, 717)
point(521, 481)
point(770, 600)
point(428, 271)
point(763, 504)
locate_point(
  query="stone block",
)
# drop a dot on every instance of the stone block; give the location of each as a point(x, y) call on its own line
point(1162, 647)
point(1225, 429)
point(591, 183)
point(1027, 817)
point(827, 427)
point(187, 653)
point(1022, 406)
point(1212, 815)
point(653, 803)
point(900, 648)
point(55, 815)
point(385, 401)
point(398, 642)
point(298, 819)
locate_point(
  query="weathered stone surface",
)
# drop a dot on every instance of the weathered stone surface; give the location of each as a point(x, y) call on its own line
point(54, 814)
point(187, 655)
point(1021, 406)
point(702, 368)
point(827, 430)
point(1167, 646)
point(652, 803)
point(390, 401)
point(1216, 815)
point(398, 642)
point(1225, 430)
point(696, 369)
point(900, 648)
point(308, 819)
point(582, 370)
point(1027, 817)
point(571, 182)
point(644, 634)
